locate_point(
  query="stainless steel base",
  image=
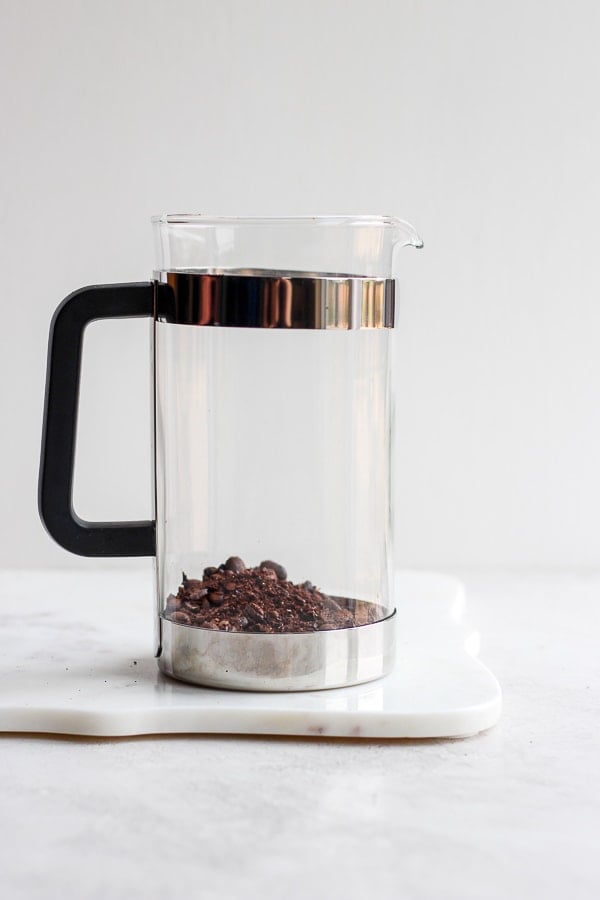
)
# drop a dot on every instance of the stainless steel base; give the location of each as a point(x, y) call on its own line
point(278, 662)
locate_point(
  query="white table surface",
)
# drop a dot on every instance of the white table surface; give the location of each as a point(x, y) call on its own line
point(510, 813)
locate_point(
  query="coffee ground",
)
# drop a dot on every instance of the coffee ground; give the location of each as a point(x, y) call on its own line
point(231, 597)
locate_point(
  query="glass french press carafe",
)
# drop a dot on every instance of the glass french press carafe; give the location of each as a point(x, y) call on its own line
point(272, 427)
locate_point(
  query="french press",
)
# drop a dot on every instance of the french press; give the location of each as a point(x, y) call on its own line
point(271, 435)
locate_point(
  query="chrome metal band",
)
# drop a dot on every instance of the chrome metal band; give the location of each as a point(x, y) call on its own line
point(278, 662)
point(260, 298)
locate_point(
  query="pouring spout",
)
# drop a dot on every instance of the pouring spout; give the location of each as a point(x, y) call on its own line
point(405, 235)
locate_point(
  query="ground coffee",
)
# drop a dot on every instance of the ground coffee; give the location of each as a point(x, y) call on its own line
point(231, 597)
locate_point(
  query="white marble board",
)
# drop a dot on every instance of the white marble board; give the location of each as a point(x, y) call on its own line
point(75, 658)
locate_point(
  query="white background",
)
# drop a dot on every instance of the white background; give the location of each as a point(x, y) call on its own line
point(477, 121)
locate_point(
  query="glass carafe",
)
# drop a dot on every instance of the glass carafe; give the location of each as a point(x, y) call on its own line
point(272, 430)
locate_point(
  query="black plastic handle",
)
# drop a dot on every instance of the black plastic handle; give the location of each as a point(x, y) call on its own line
point(103, 301)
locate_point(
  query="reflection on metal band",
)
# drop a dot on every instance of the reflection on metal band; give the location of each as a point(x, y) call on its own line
point(278, 662)
point(253, 298)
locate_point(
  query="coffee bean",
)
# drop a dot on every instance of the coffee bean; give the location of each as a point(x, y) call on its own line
point(209, 571)
point(192, 584)
point(276, 567)
point(216, 597)
point(254, 613)
point(230, 585)
point(308, 586)
point(235, 564)
point(181, 617)
point(307, 614)
point(268, 573)
point(172, 603)
point(189, 606)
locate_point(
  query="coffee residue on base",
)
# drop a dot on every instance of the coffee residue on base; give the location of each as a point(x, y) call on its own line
point(232, 597)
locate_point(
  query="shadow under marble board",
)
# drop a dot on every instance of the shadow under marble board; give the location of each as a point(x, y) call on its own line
point(76, 658)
